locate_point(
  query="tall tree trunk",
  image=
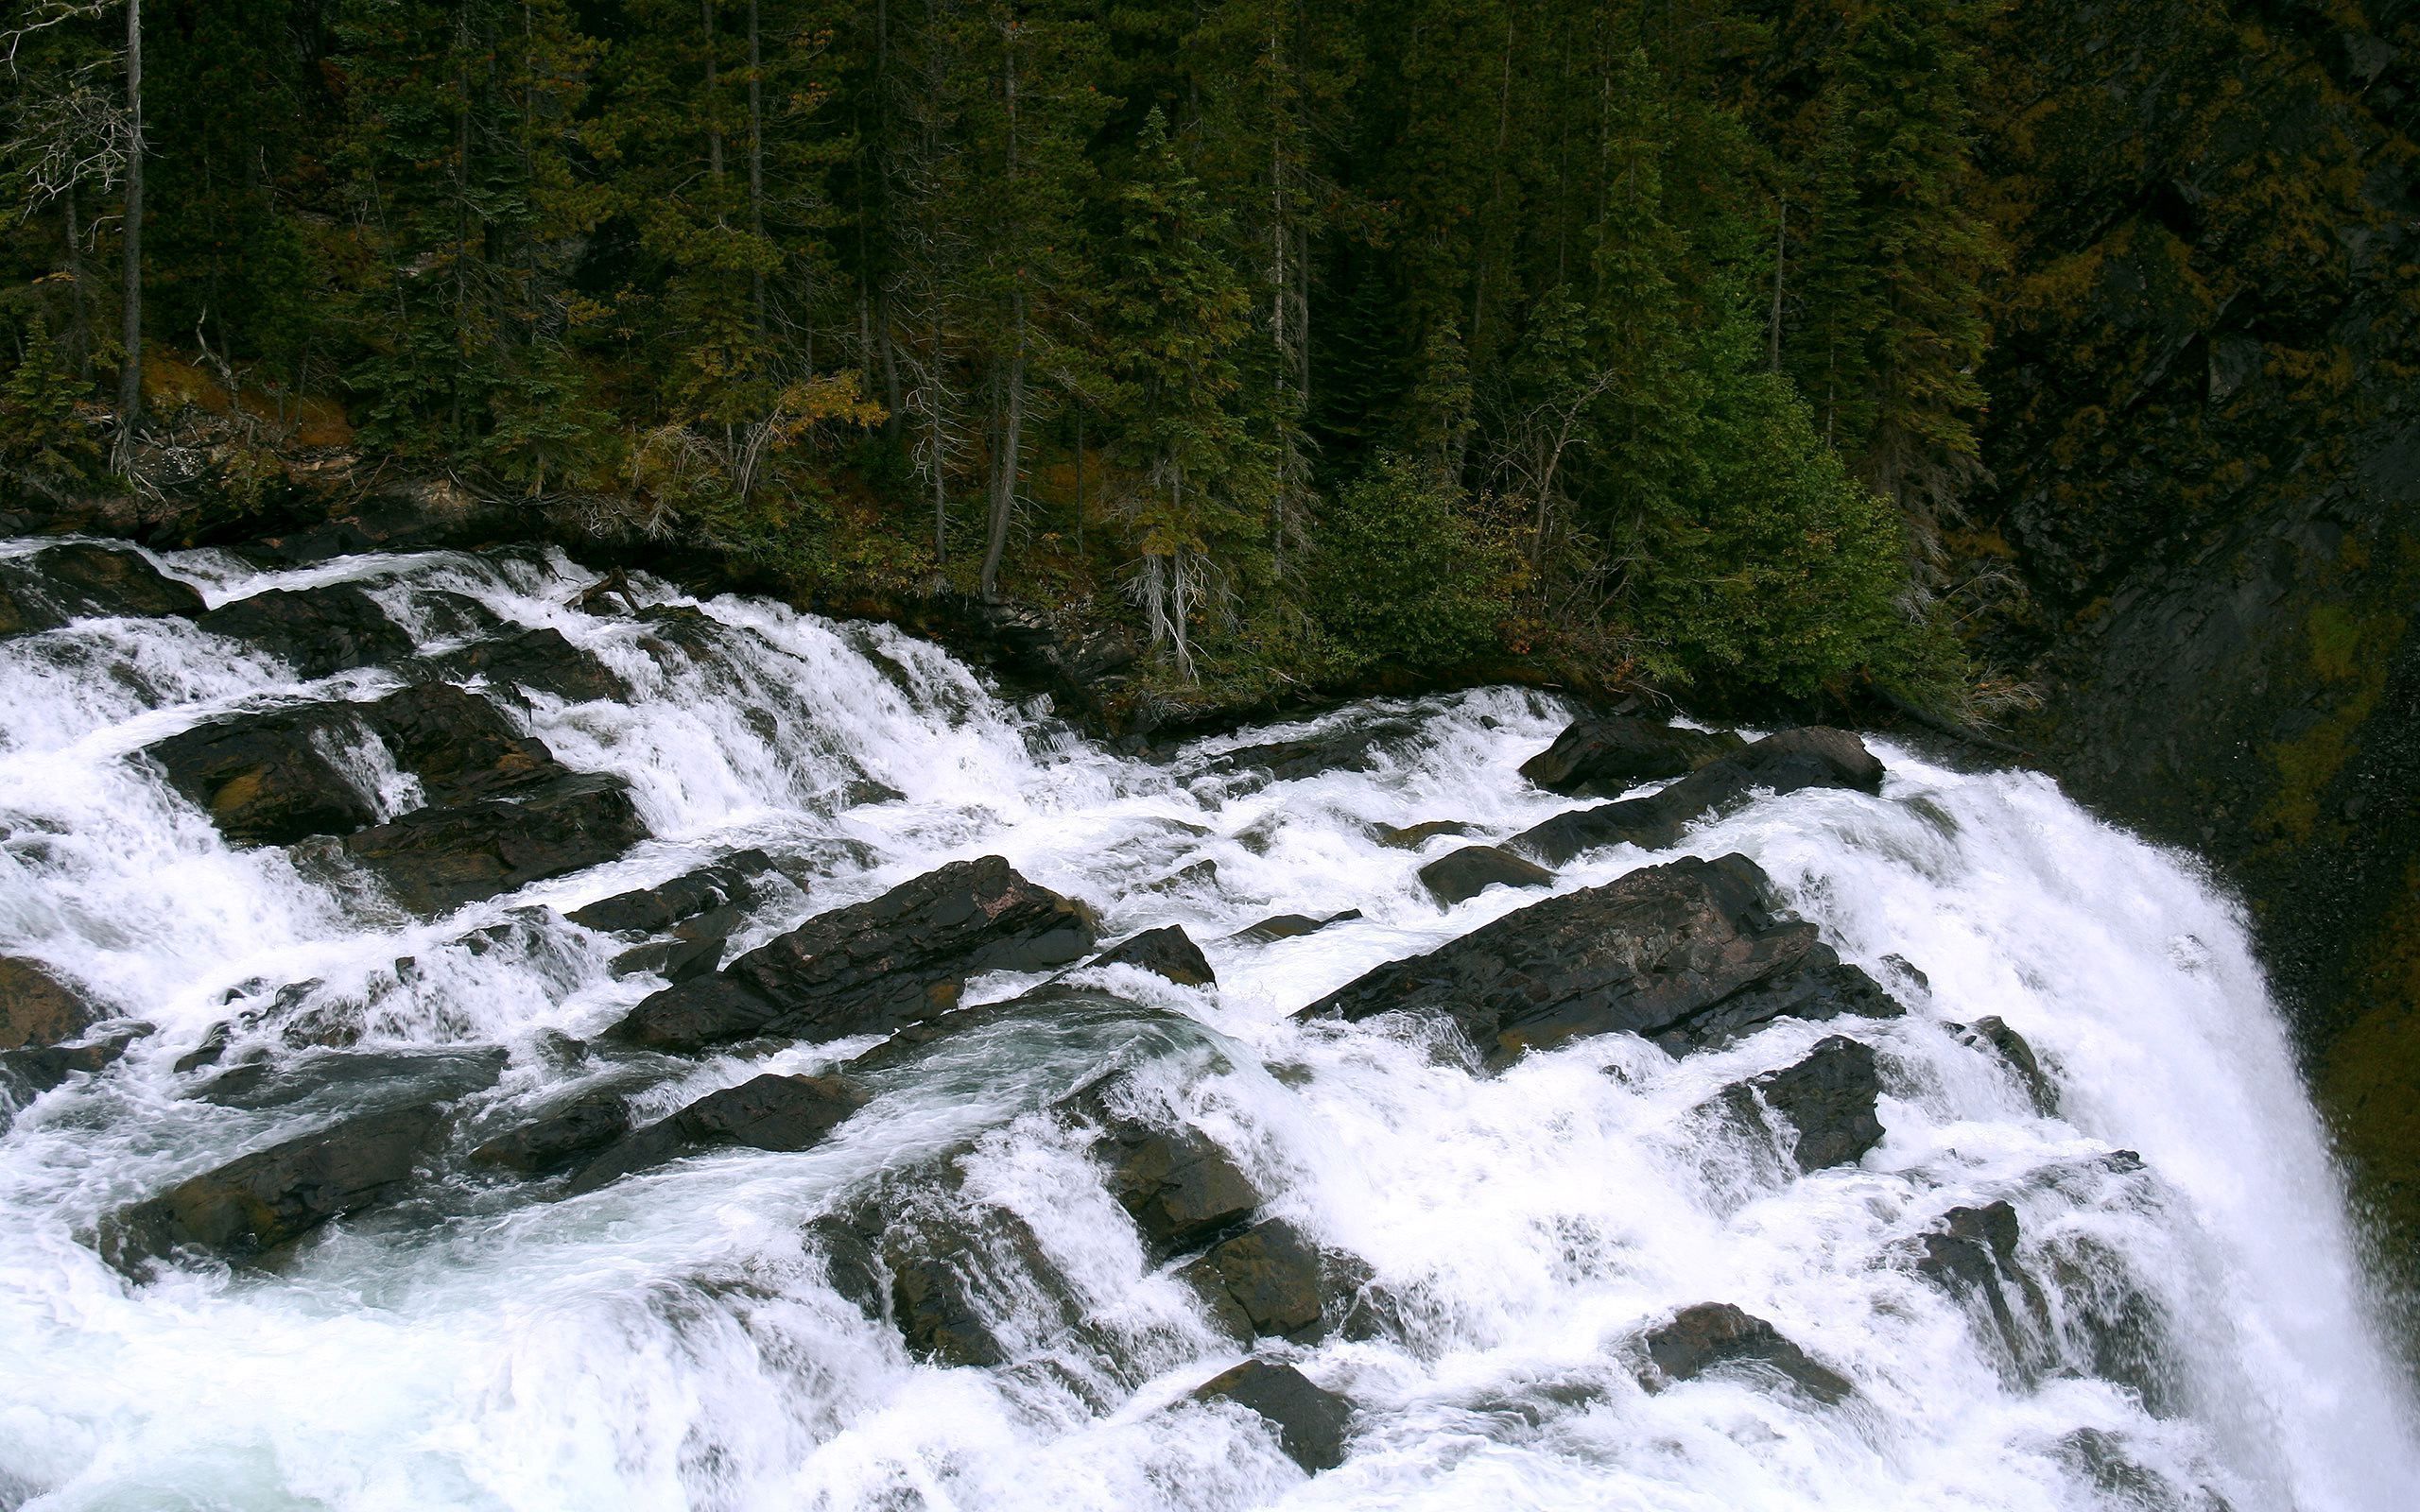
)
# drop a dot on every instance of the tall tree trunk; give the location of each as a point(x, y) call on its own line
point(129, 381)
point(1005, 455)
point(462, 213)
point(940, 464)
point(79, 319)
point(756, 169)
point(713, 115)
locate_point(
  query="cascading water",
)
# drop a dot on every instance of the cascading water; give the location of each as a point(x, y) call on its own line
point(674, 1340)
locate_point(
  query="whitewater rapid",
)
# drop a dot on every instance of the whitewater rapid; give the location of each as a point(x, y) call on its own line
point(671, 1341)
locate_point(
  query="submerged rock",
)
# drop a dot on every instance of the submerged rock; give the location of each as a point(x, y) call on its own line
point(361, 1076)
point(1167, 952)
point(1993, 1035)
point(770, 1112)
point(584, 1125)
point(874, 966)
point(441, 857)
point(1605, 758)
point(456, 743)
point(37, 1008)
point(272, 777)
point(1717, 1335)
point(1829, 1099)
point(1313, 1423)
point(1972, 1256)
point(1685, 954)
point(26, 1074)
point(1353, 747)
point(271, 1197)
point(1474, 868)
point(1181, 1189)
point(315, 630)
point(1782, 763)
point(1412, 836)
point(61, 584)
point(1290, 926)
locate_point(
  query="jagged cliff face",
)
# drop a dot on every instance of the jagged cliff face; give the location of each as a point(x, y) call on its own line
point(2206, 442)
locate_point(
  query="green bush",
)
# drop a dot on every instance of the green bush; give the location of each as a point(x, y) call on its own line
point(1400, 576)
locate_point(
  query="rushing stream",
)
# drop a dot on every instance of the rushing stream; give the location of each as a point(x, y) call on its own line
point(2201, 1340)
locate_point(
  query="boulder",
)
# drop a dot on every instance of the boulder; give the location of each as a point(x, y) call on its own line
point(1991, 1035)
point(315, 630)
point(1412, 836)
point(1202, 874)
point(1781, 763)
point(1181, 1189)
point(586, 1124)
point(456, 743)
point(539, 661)
point(1718, 1336)
point(446, 855)
point(1972, 1256)
point(1167, 952)
point(1289, 927)
point(770, 1112)
point(273, 1196)
point(1605, 758)
point(1685, 954)
point(1312, 1424)
point(272, 778)
point(693, 952)
point(873, 965)
point(1474, 868)
point(37, 1008)
point(28, 1072)
point(728, 880)
point(1829, 1099)
point(1266, 1282)
point(61, 584)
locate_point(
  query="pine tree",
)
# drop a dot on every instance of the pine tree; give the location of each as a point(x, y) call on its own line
point(1177, 323)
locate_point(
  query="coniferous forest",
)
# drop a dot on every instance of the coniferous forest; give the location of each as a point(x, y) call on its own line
point(1641, 343)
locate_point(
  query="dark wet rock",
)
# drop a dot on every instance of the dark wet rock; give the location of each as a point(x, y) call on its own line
point(1182, 1189)
point(315, 630)
point(727, 881)
point(1312, 1424)
point(1474, 868)
point(1605, 758)
point(273, 1196)
point(59, 584)
point(1290, 926)
point(1686, 953)
point(1907, 969)
point(1972, 1256)
point(37, 1007)
point(770, 1112)
point(586, 1124)
point(1994, 1037)
point(446, 616)
point(683, 958)
point(1829, 1099)
point(443, 857)
point(874, 966)
point(358, 1077)
point(1412, 836)
point(539, 661)
point(1266, 1282)
point(28, 1074)
point(456, 743)
point(207, 1053)
point(1167, 952)
point(1782, 763)
point(1357, 748)
point(2104, 1459)
point(1717, 1335)
point(270, 779)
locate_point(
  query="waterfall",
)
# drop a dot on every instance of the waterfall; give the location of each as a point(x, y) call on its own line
point(2193, 1331)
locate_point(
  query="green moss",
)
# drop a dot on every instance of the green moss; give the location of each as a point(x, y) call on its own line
point(2335, 642)
point(2369, 1085)
point(2351, 651)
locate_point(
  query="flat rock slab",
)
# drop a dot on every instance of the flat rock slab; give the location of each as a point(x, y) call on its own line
point(729, 880)
point(1786, 761)
point(1181, 1189)
point(1266, 1282)
point(38, 1008)
point(1714, 1336)
point(539, 660)
point(1289, 927)
point(77, 580)
point(271, 1197)
point(771, 1112)
point(315, 630)
point(1684, 953)
point(872, 966)
point(1467, 872)
point(1167, 952)
point(578, 1127)
point(1604, 758)
point(441, 857)
point(1313, 1423)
